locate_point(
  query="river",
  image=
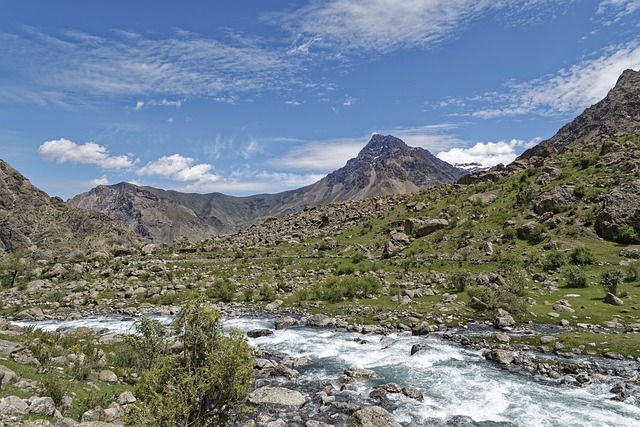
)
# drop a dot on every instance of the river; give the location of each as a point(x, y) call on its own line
point(454, 380)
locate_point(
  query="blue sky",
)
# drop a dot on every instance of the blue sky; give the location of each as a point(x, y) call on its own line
point(264, 96)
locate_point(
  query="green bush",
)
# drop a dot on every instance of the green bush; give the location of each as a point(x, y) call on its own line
point(626, 234)
point(206, 384)
point(575, 277)
point(147, 345)
point(554, 259)
point(538, 234)
point(581, 255)
point(610, 279)
point(267, 293)
point(459, 280)
point(348, 287)
point(222, 290)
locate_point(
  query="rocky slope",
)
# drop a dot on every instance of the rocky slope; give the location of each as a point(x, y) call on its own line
point(386, 165)
point(48, 227)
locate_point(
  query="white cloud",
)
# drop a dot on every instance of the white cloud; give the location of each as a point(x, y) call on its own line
point(251, 148)
point(179, 168)
point(63, 150)
point(567, 91)
point(486, 153)
point(349, 101)
point(139, 105)
point(103, 180)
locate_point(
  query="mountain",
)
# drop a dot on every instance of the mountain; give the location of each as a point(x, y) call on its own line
point(48, 227)
point(386, 165)
point(617, 114)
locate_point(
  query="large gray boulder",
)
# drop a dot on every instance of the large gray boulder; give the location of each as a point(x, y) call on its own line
point(13, 405)
point(372, 416)
point(277, 396)
point(557, 200)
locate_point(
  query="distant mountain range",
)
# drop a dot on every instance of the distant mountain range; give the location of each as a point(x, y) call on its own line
point(386, 165)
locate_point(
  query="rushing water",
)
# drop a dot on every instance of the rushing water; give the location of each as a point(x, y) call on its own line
point(454, 380)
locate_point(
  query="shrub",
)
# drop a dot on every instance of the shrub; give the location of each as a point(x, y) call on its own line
point(537, 234)
point(459, 280)
point(267, 293)
point(631, 273)
point(206, 384)
point(509, 234)
point(554, 259)
point(581, 255)
point(358, 257)
point(337, 289)
point(575, 277)
point(222, 290)
point(147, 344)
point(626, 234)
point(610, 279)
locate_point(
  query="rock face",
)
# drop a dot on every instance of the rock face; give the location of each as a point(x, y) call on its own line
point(621, 207)
point(30, 219)
point(372, 416)
point(385, 166)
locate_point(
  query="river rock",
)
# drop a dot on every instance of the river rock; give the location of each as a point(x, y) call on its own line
point(108, 376)
point(318, 320)
point(422, 328)
point(413, 393)
point(503, 319)
point(372, 416)
point(416, 348)
point(277, 396)
point(257, 333)
point(477, 304)
point(503, 357)
point(125, 398)
point(284, 322)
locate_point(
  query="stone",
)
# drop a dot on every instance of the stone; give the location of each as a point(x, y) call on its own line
point(319, 321)
point(257, 333)
point(413, 393)
point(557, 200)
point(503, 319)
point(416, 348)
point(372, 416)
point(95, 414)
point(431, 226)
point(24, 356)
point(7, 375)
point(272, 306)
point(108, 376)
point(42, 406)
point(503, 357)
point(547, 339)
point(612, 299)
point(125, 398)
point(477, 304)
point(621, 207)
point(285, 322)
point(277, 397)
point(501, 337)
point(360, 373)
point(422, 328)
point(13, 405)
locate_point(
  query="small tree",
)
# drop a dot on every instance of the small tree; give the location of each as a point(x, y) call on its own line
point(459, 280)
point(581, 255)
point(204, 385)
point(12, 265)
point(148, 344)
point(610, 279)
point(576, 277)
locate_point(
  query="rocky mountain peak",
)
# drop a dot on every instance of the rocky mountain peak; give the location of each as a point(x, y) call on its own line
point(382, 145)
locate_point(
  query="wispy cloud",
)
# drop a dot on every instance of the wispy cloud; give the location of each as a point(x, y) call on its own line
point(63, 150)
point(386, 25)
point(486, 153)
point(566, 92)
point(72, 65)
point(617, 9)
point(103, 180)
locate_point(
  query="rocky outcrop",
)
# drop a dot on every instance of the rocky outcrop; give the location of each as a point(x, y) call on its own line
point(48, 227)
point(557, 200)
point(621, 207)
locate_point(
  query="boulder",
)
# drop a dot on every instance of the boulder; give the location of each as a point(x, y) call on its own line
point(319, 321)
point(431, 226)
point(42, 406)
point(24, 356)
point(413, 393)
point(372, 416)
point(612, 299)
point(13, 405)
point(422, 328)
point(257, 333)
point(416, 348)
point(557, 200)
point(7, 375)
point(278, 397)
point(503, 319)
point(108, 376)
point(126, 397)
point(396, 243)
point(360, 373)
point(503, 357)
point(285, 322)
point(477, 304)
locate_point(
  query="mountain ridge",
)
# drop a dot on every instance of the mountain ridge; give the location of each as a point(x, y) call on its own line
point(385, 166)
